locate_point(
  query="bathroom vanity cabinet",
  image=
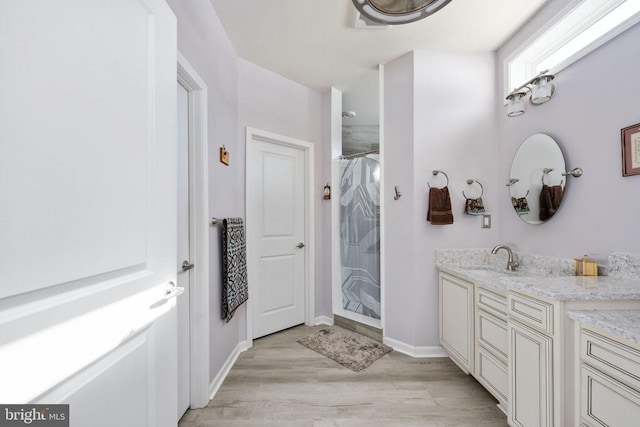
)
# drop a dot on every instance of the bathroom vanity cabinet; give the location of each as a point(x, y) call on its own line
point(531, 335)
point(491, 351)
point(513, 334)
point(542, 344)
point(456, 320)
point(609, 367)
point(473, 331)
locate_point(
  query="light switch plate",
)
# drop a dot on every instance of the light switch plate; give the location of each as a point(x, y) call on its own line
point(486, 221)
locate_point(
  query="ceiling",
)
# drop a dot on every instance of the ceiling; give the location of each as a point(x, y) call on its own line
point(315, 43)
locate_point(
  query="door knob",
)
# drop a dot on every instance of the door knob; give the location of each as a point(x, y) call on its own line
point(300, 245)
point(186, 265)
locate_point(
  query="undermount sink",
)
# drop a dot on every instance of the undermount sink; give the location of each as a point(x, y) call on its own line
point(489, 271)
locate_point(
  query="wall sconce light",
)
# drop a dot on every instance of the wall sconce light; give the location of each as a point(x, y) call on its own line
point(326, 192)
point(541, 90)
point(515, 107)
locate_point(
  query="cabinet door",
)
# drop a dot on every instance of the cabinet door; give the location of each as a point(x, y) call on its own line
point(530, 377)
point(605, 401)
point(456, 320)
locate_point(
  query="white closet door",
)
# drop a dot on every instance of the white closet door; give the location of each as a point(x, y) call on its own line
point(276, 235)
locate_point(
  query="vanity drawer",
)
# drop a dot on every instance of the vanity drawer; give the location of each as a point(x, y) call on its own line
point(606, 402)
point(532, 312)
point(492, 334)
point(492, 374)
point(495, 304)
point(611, 357)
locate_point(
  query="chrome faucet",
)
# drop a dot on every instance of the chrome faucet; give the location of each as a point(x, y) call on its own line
point(511, 264)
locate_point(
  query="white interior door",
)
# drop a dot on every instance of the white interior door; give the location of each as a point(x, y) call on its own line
point(88, 217)
point(276, 236)
point(183, 265)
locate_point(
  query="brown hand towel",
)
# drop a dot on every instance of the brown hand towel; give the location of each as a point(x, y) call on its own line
point(439, 212)
point(550, 199)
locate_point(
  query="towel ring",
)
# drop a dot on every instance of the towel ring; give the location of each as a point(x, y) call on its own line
point(436, 172)
point(512, 182)
point(545, 171)
point(526, 194)
point(471, 181)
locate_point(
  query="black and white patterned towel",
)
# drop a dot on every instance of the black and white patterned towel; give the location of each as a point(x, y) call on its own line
point(234, 267)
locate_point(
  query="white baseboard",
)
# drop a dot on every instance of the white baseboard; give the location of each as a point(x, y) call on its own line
point(324, 320)
point(413, 351)
point(228, 364)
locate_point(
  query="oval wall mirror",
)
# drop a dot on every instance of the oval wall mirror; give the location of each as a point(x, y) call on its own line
point(536, 183)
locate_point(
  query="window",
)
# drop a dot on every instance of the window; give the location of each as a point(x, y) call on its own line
point(581, 28)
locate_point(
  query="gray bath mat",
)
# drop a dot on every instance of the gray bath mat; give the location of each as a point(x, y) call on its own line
point(350, 349)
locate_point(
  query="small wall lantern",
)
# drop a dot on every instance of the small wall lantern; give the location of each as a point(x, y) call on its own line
point(326, 194)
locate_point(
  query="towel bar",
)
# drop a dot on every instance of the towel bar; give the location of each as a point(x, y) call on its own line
point(216, 221)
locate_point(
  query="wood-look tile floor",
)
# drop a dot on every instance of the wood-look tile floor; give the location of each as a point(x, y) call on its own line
point(281, 383)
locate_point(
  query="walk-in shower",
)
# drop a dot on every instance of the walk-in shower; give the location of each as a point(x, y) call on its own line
point(360, 236)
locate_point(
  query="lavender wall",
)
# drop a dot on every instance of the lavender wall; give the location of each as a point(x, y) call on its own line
point(437, 116)
point(399, 283)
point(455, 131)
point(270, 102)
point(204, 43)
point(242, 94)
point(595, 98)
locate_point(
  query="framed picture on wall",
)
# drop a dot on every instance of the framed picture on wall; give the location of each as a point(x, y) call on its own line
point(630, 139)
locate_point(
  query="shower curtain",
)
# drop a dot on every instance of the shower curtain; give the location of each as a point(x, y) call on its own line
point(360, 235)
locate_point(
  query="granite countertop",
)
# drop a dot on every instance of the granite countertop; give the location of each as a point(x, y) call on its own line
point(622, 323)
point(576, 288)
point(485, 276)
point(545, 277)
point(553, 287)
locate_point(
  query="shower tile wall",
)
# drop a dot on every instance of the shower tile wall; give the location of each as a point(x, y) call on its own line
point(360, 138)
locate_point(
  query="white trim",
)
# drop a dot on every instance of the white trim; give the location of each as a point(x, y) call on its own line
point(198, 233)
point(226, 368)
point(336, 276)
point(310, 284)
point(323, 320)
point(561, 40)
point(413, 351)
point(336, 269)
point(383, 197)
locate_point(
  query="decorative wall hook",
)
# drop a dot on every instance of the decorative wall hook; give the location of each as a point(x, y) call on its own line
point(224, 155)
point(398, 193)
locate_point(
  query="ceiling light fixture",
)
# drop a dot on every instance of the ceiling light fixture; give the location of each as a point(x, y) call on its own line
point(541, 90)
point(397, 12)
